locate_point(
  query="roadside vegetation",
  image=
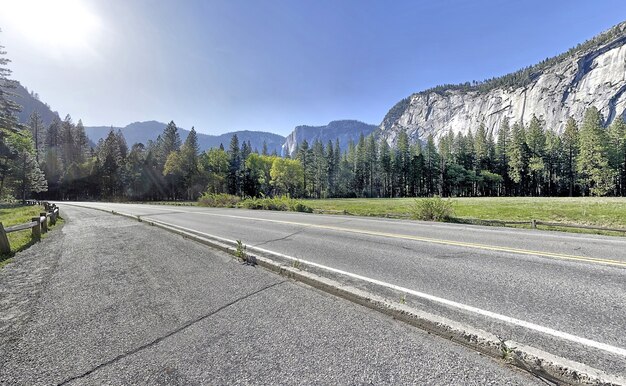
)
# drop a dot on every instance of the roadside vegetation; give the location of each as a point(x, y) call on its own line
point(13, 215)
point(598, 211)
point(281, 203)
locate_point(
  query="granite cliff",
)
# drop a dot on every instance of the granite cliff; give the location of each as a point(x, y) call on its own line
point(591, 74)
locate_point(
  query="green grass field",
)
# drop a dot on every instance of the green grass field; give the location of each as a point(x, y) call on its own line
point(603, 211)
point(22, 239)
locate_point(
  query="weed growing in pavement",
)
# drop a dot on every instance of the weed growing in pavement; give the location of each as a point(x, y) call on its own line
point(295, 264)
point(507, 352)
point(403, 299)
point(241, 253)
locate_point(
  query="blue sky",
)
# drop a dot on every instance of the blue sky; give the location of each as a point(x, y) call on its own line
point(271, 65)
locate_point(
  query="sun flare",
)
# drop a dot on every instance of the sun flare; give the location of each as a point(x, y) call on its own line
point(55, 25)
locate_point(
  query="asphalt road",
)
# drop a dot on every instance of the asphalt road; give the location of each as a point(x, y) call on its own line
point(561, 292)
point(108, 300)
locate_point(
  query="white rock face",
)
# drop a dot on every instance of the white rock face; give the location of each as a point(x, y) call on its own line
point(344, 131)
point(593, 78)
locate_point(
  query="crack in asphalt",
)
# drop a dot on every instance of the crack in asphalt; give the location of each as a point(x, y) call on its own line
point(171, 333)
point(280, 238)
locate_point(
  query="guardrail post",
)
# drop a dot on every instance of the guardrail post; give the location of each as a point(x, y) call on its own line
point(53, 217)
point(5, 248)
point(533, 224)
point(37, 228)
point(44, 222)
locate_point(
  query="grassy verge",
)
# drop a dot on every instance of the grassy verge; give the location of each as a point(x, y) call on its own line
point(22, 239)
point(604, 212)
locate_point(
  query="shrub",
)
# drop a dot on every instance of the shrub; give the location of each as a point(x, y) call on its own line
point(433, 209)
point(282, 203)
point(218, 200)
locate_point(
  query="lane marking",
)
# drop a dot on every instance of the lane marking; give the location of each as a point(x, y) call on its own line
point(561, 256)
point(450, 303)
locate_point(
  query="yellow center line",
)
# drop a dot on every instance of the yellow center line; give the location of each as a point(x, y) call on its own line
point(562, 256)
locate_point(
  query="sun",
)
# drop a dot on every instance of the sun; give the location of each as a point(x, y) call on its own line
point(54, 25)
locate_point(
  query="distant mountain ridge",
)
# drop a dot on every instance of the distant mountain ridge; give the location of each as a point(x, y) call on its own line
point(30, 102)
point(149, 130)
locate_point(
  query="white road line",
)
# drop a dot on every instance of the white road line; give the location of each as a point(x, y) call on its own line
point(507, 319)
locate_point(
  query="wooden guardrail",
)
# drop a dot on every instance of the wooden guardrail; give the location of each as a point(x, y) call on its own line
point(38, 225)
point(475, 221)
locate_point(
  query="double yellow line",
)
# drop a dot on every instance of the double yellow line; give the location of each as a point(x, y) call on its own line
point(611, 262)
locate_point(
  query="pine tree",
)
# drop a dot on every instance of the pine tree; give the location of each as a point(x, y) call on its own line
point(234, 167)
point(372, 166)
point(536, 141)
point(331, 168)
point(402, 167)
point(68, 144)
point(431, 166)
point(386, 169)
point(189, 164)
point(481, 149)
point(36, 126)
point(170, 141)
point(570, 150)
point(111, 164)
point(617, 138)
point(320, 169)
point(82, 143)
point(596, 176)
point(8, 108)
point(519, 156)
point(304, 155)
point(502, 164)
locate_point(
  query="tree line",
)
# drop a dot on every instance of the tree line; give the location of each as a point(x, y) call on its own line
point(59, 162)
point(521, 160)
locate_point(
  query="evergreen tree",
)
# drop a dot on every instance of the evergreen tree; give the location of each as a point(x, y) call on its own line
point(431, 166)
point(386, 169)
point(81, 143)
point(596, 176)
point(372, 166)
point(304, 155)
point(570, 150)
point(536, 141)
point(518, 157)
point(402, 163)
point(189, 164)
point(168, 142)
point(8, 108)
point(481, 149)
point(502, 164)
point(234, 167)
point(617, 138)
point(111, 164)
point(36, 126)
point(331, 168)
point(68, 145)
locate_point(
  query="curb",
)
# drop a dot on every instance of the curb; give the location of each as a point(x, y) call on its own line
point(542, 364)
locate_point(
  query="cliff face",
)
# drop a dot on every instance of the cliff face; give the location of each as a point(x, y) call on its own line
point(345, 131)
point(594, 75)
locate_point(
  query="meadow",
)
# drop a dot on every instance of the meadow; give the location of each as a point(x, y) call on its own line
point(596, 211)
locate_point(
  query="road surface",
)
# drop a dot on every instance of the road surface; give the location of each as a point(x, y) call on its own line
point(108, 300)
point(563, 293)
